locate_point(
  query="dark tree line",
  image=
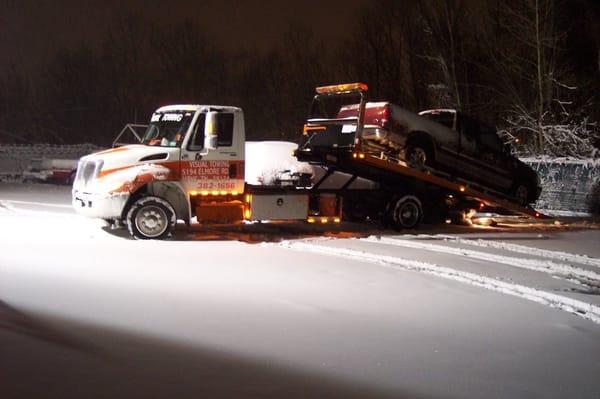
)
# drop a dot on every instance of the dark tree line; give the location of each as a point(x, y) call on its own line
point(530, 67)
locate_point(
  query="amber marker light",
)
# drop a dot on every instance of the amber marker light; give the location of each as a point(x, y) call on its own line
point(193, 193)
point(462, 189)
point(361, 155)
point(310, 220)
point(336, 220)
point(204, 193)
point(342, 87)
point(234, 192)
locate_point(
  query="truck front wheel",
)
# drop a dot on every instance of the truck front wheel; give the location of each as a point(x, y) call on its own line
point(418, 155)
point(150, 218)
point(521, 193)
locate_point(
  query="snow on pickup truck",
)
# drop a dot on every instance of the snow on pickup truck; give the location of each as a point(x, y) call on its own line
point(446, 140)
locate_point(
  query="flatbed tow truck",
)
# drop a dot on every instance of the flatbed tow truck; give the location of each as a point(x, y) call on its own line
point(406, 193)
point(191, 161)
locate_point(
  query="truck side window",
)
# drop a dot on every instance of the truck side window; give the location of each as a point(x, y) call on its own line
point(225, 129)
point(490, 141)
point(469, 128)
point(197, 141)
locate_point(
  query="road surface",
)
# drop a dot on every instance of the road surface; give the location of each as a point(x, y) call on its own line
point(277, 311)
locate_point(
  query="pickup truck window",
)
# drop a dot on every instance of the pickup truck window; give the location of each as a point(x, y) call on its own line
point(469, 127)
point(490, 141)
point(443, 117)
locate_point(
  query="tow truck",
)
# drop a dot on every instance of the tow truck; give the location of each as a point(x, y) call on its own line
point(190, 166)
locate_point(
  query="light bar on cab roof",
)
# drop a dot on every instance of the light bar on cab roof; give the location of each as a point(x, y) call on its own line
point(341, 88)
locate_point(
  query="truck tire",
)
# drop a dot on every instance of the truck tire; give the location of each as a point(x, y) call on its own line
point(521, 193)
point(418, 155)
point(405, 212)
point(150, 217)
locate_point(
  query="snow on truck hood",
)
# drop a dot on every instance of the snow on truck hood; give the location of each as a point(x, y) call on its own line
point(130, 155)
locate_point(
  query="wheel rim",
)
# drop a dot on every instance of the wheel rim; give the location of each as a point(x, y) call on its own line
point(417, 157)
point(407, 214)
point(151, 221)
point(521, 194)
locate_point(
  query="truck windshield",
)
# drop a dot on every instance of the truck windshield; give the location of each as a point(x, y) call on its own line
point(167, 129)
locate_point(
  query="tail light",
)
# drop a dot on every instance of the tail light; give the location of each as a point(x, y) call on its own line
point(385, 116)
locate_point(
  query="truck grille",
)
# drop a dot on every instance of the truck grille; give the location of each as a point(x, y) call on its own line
point(87, 171)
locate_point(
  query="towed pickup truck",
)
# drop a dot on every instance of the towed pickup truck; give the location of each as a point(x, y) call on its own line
point(442, 139)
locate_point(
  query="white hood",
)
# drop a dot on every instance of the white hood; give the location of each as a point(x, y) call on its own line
point(131, 155)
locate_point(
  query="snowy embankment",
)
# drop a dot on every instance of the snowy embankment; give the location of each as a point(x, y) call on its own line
point(567, 183)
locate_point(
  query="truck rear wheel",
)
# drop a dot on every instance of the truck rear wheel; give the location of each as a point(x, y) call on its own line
point(150, 218)
point(405, 212)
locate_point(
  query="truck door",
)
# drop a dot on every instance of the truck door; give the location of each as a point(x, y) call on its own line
point(477, 159)
point(467, 145)
point(219, 167)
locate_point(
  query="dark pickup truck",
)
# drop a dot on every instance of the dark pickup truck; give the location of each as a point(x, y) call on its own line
point(448, 141)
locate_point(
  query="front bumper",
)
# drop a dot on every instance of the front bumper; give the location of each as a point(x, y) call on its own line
point(104, 206)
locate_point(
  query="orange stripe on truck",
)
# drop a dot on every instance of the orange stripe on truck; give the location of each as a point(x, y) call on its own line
point(173, 166)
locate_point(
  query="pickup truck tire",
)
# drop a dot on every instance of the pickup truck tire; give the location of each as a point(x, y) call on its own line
point(150, 217)
point(419, 155)
point(521, 193)
point(405, 212)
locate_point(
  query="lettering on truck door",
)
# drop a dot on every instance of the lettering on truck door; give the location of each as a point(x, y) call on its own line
point(210, 170)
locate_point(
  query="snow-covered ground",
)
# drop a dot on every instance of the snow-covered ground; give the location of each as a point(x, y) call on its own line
point(290, 311)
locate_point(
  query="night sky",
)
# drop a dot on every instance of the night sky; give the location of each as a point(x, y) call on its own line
point(32, 31)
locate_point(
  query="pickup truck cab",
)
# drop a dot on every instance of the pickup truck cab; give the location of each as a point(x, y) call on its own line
point(461, 145)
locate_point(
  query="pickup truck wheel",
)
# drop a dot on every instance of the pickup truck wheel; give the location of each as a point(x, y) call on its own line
point(521, 193)
point(150, 218)
point(418, 156)
point(406, 212)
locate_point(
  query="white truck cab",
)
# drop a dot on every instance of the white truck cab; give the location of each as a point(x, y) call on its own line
point(187, 151)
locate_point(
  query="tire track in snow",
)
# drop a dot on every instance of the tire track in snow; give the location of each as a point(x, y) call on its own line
point(523, 249)
point(7, 207)
point(579, 308)
point(587, 277)
point(43, 204)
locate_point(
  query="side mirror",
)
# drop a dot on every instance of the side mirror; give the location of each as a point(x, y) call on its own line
point(211, 134)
